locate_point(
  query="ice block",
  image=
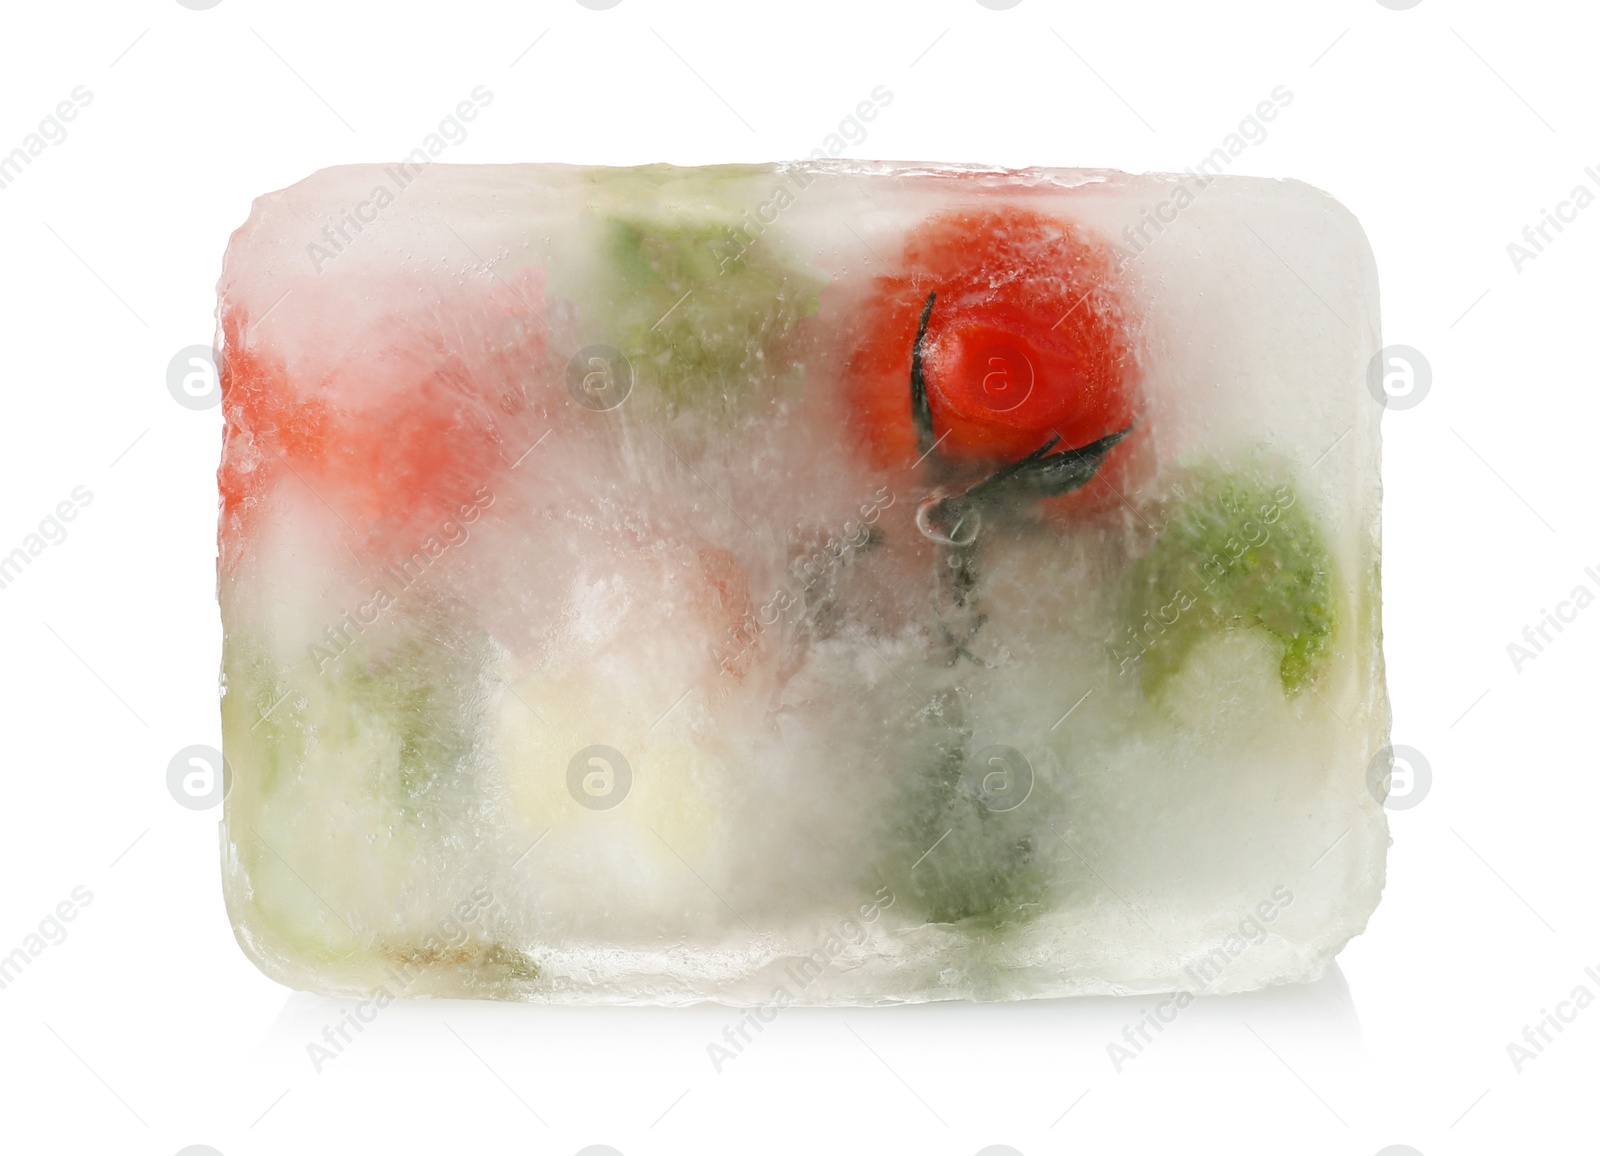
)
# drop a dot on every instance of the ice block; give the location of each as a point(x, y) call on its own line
point(817, 583)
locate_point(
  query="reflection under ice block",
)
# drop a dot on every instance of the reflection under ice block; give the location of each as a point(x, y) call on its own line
point(820, 583)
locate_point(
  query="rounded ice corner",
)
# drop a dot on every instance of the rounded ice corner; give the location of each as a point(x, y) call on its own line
point(269, 950)
point(270, 964)
point(276, 958)
point(1326, 211)
point(245, 922)
point(1335, 213)
point(1323, 209)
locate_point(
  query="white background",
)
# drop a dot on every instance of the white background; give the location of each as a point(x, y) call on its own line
point(1446, 129)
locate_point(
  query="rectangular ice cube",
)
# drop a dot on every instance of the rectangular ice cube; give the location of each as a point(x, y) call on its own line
point(816, 583)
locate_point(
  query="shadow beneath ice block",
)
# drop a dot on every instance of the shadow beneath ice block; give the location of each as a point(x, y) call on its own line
point(1113, 1035)
point(1018, 1068)
point(1022, 1065)
point(1113, 1032)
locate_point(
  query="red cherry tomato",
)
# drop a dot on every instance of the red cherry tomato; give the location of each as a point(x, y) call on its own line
point(393, 437)
point(1028, 338)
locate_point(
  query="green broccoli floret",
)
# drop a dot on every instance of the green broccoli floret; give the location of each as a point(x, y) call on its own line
point(702, 309)
point(1233, 551)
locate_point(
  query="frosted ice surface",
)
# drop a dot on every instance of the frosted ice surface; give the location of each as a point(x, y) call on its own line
point(826, 583)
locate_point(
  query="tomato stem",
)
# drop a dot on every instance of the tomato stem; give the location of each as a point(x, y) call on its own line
point(921, 411)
